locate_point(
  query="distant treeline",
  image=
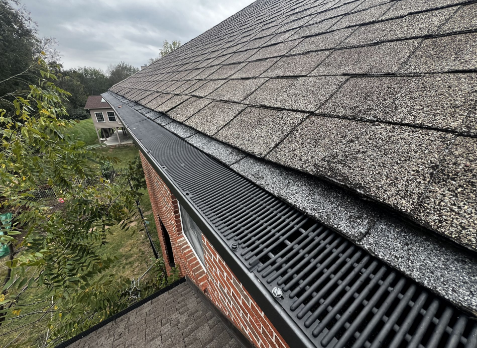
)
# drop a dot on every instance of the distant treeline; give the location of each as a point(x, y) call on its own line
point(19, 44)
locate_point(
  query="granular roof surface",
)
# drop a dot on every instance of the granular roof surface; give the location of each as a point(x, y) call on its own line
point(377, 96)
point(177, 318)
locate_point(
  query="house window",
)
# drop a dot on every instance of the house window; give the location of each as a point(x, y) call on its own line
point(167, 241)
point(99, 116)
point(111, 116)
point(193, 234)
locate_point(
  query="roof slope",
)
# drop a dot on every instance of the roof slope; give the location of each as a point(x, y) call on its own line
point(374, 95)
point(177, 318)
point(96, 102)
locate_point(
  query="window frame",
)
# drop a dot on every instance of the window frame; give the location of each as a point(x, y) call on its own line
point(202, 262)
point(109, 116)
point(97, 119)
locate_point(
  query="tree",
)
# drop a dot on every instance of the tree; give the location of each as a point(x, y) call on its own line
point(169, 47)
point(166, 49)
point(18, 45)
point(56, 244)
point(94, 80)
point(119, 72)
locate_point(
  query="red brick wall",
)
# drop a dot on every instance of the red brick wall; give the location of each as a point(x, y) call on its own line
point(217, 281)
point(166, 209)
point(227, 293)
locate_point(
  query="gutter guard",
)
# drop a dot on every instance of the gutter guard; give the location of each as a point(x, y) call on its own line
point(329, 292)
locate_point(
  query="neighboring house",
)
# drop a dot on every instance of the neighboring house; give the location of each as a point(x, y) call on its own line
point(104, 117)
point(312, 167)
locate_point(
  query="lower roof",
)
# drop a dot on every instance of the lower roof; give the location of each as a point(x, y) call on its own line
point(172, 156)
point(179, 317)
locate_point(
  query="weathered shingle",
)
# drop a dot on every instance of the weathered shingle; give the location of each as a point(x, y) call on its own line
point(274, 51)
point(464, 19)
point(236, 90)
point(456, 52)
point(322, 42)
point(449, 203)
point(214, 116)
point(383, 58)
point(417, 25)
point(437, 101)
point(225, 71)
point(256, 68)
point(299, 65)
point(188, 108)
point(259, 130)
point(393, 164)
point(404, 7)
point(304, 93)
point(358, 18)
point(208, 87)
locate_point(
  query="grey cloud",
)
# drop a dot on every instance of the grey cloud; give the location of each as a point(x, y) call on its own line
point(99, 33)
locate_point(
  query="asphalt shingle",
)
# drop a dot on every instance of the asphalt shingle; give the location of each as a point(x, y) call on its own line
point(456, 52)
point(304, 93)
point(390, 163)
point(208, 88)
point(254, 69)
point(358, 18)
point(274, 51)
point(383, 58)
point(236, 90)
point(300, 65)
point(188, 108)
point(449, 203)
point(258, 130)
point(189, 329)
point(437, 101)
point(214, 116)
point(417, 25)
point(464, 19)
point(404, 7)
point(325, 41)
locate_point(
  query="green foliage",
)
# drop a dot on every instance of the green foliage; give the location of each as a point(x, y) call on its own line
point(166, 49)
point(119, 72)
point(84, 130)
point(18, 47)
point(58, 244)
point(169, 47)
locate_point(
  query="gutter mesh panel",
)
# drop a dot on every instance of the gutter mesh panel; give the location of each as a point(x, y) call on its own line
point(337, 293)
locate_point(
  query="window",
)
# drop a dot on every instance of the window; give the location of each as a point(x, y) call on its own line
point(111, 116)
point(99, 116)
point(193, 234)
point(167, 241)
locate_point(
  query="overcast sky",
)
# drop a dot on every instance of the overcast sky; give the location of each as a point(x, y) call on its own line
point(98, 33)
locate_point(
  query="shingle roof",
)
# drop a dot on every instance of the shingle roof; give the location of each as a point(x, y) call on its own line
point(377, 96)
point(443, 267)
point(96, 102)
point(177, 318)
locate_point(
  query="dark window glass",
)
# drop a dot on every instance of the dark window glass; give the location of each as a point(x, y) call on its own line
point(192, 233)
point(111, 117)
point(168, 245)
point(99, 116)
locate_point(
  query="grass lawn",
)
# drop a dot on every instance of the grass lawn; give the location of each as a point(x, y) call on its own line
point(84, 130)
